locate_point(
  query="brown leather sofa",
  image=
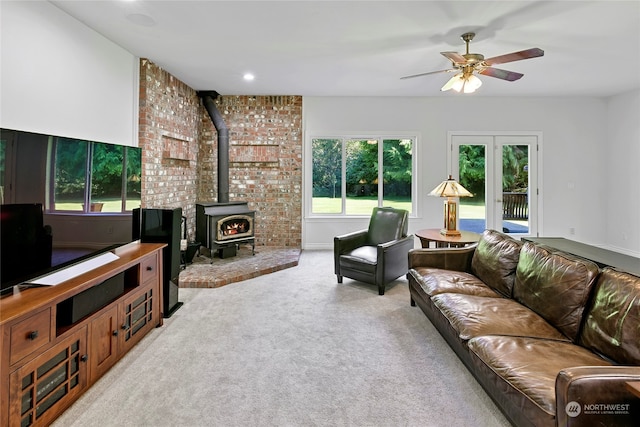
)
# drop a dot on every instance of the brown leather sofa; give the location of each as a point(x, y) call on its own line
point(551, 338)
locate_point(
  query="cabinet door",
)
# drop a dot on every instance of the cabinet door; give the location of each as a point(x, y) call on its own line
point(140, 314)
point(103, 343)
point(41, 389)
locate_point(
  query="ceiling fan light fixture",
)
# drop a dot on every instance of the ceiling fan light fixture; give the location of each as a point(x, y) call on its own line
point(467, 83)
point(472, 83)
point(454, 83)
point(465, 65)
point(458, 85)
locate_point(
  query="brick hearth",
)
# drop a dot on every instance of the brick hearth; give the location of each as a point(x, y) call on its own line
point(202, 273)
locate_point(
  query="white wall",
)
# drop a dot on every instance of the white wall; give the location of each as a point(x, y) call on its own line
point(575, 179)
point(622, 172)
point(58, 77)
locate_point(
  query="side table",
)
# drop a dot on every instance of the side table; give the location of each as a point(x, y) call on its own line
point(429, 235)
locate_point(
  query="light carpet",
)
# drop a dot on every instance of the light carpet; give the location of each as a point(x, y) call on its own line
point(292, 348)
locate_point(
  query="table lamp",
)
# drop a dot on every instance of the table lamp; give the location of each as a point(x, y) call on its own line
point(451, 190)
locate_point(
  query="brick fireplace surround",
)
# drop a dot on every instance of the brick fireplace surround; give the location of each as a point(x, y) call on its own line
point(179, 164)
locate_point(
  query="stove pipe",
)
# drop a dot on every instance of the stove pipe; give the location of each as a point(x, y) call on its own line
point(208, 98)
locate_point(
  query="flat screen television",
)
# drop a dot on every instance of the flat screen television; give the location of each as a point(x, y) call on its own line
point(25, 242)
point(26, 246)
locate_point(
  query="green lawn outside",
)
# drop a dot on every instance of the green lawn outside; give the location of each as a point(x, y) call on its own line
point(471, 209)
point(355, 205)
point(109, 205)
point(321, 205)
point(364, 206)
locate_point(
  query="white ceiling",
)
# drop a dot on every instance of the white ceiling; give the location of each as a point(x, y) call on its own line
point(362, 48)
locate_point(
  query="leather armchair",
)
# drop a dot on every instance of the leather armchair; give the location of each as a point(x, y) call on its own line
point(377, 255)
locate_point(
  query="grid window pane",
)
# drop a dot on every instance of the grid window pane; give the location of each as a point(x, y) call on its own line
point(327, 176)
point(70, 180)
point(362, 176)
point(397, 173)
point(134, 166)
point(106, 178)
point(515, 188)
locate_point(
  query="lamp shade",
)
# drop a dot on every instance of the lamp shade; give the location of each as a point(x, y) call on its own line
point(465, 82)
point(471, 84)
point(450, 188)
point(456, 82)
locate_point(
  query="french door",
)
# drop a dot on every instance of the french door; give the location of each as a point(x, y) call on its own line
point(500, 170)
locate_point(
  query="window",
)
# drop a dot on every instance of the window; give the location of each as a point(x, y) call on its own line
point(94, 177)
point(351, 176)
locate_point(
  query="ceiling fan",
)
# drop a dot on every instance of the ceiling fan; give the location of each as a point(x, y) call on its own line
point(469, 63)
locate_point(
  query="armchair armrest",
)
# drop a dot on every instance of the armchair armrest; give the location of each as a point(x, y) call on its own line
point(457, 259)
point(350, 241)
point(393, 256)
point(597, 395)
point(400, 243)
point(345, 243)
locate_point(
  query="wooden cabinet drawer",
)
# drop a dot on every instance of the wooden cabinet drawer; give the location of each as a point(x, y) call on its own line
point(30, 334)
point(148, 269)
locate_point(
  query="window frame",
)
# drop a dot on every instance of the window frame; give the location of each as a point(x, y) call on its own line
point(87, 196)
point(344, 137)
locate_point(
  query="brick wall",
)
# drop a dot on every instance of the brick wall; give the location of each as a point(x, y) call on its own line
point(169, 122)
point(179, 154)
point(265, 155)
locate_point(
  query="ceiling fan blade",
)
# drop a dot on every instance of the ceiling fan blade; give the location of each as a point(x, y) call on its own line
point(515, 56)
point(426, 74)
point(501, 74)
point(455, 57)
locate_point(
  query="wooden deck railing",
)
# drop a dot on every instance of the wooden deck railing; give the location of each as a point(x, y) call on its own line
point(515, 206)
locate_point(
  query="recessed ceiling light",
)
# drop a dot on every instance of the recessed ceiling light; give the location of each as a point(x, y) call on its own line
point(248, 77)
point(142, 20)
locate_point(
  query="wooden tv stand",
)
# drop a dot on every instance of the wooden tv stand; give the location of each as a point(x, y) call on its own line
point(56, 341)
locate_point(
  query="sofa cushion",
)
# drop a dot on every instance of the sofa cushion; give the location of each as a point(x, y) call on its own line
point(495, 260)
point(434, 281)
point(471, 316)
point(364, 258)
point(612, 325)
point(555, 285)
point(523, 370)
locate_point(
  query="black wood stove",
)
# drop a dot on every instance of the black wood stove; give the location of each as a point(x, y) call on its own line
point(222, 227)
